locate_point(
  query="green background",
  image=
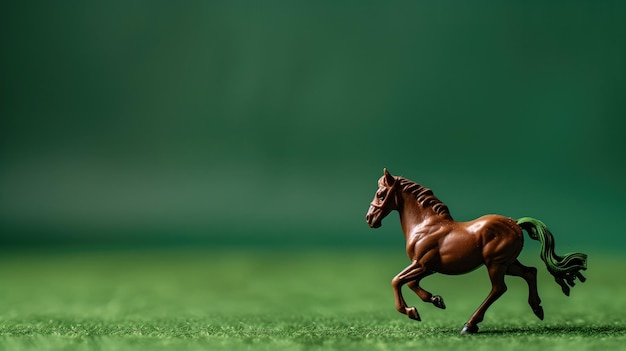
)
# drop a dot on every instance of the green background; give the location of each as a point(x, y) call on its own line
point(195, 174)
point(267, 124)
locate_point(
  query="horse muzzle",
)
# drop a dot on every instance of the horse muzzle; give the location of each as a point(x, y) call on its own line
point(373, 219)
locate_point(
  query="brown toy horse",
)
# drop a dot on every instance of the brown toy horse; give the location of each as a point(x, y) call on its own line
point(436, 243)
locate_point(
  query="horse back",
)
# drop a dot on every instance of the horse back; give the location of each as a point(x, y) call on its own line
point(500, 237)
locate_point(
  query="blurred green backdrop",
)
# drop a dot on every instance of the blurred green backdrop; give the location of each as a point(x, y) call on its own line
point(267, 124)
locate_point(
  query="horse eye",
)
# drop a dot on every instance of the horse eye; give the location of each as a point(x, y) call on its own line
point(381, 196)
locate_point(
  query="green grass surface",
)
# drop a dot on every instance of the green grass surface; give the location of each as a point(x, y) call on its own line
point(318, 300)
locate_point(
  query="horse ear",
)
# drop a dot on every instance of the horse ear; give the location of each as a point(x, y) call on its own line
point(389, 179)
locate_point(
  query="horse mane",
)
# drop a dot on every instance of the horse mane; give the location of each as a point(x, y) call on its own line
point(424, 196)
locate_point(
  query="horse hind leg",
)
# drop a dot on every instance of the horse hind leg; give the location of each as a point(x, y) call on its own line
point(426, 296)
point(529, 274)
point(498, 287)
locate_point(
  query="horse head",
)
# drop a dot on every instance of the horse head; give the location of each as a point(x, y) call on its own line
point(385, 200)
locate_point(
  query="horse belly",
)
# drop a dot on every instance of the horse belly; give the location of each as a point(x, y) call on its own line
point(459, 253)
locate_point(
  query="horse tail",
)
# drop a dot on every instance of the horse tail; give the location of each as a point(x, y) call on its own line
point(565, 269)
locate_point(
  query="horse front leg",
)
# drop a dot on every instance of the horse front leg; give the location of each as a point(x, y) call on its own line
point(413, 272)
point(426, 296)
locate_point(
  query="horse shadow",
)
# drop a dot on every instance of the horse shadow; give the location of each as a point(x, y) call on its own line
point(565, 330)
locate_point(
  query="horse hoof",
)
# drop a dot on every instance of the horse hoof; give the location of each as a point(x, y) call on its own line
point(467, 329)
point(412, 313)
point(538, 312)
point(438, 302)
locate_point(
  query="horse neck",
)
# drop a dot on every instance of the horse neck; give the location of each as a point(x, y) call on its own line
point(413, 215)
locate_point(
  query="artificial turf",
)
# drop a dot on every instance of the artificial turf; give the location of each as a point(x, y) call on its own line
point(280, 300)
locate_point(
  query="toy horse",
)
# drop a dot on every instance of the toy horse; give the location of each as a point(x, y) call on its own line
point(435, 243)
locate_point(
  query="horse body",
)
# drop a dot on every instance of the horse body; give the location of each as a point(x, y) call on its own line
point(435, 243)
point(461, 247)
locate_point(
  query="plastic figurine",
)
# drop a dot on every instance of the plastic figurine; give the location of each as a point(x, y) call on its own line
point(435, 243)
